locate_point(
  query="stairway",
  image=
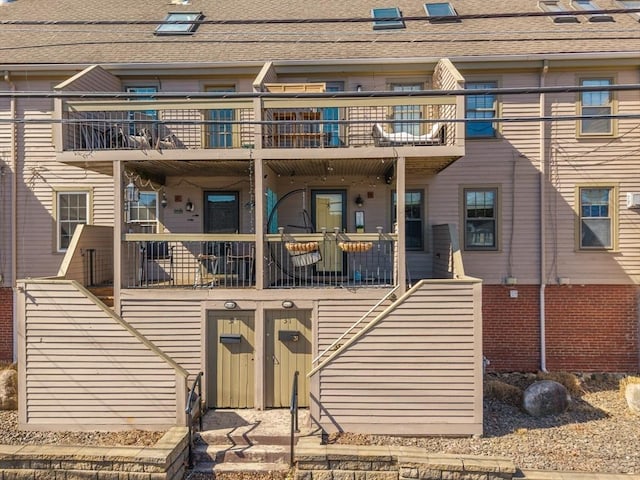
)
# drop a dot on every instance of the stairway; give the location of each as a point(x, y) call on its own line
point(244, 445)
point(104, 294)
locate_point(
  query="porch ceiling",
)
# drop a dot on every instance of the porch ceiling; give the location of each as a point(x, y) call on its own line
point(159, 170)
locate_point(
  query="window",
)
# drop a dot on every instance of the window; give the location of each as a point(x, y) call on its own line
point(179, 28)
point(220, 130)
point(479, 107)
point(143, 121)
point(384, 18)
point(72, 209)
point(440, 12)
point(410, 115)
point(414, 218)
point(554, 6)
point(145, 210)
point(594, 103)
point(589, 6)
point(596, 217)
point(480, 218)
point(631, 4)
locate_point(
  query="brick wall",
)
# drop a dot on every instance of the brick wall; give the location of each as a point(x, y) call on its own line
point(6, 325)
point(588, 328)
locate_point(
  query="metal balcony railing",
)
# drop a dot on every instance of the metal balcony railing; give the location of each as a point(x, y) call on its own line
point(285, 123)
point(206, 261)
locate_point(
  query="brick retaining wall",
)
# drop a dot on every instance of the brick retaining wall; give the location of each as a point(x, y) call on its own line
point(166, 460)
point(6, 324)
point(589, 328)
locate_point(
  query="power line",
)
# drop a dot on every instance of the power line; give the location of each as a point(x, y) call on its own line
point(307, 21)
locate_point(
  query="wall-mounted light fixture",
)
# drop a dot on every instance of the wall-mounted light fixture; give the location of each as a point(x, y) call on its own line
point(164, 202)
point(359, 201)
point(188, 206)
point(131, 192)
point(230, 305)
point(287, 304)
point(358, 88)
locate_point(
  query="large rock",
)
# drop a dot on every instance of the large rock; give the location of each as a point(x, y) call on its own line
point(545, 397)
point(8, 389)
point(632, 395)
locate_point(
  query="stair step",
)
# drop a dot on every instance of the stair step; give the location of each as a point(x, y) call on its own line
point(241, 454)
point(240, 471)
point(213, 437)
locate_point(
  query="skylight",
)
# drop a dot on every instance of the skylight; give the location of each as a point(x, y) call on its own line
point(631, 4)
point(441, 10)
point(590, 5)
point(554, 6)
point(179, 28)
point(387, 18)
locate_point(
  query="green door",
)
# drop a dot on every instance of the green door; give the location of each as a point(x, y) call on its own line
point(288, 349)
point(230, 365)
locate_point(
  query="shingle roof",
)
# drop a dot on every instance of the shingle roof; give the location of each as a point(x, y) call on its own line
point(261, 42)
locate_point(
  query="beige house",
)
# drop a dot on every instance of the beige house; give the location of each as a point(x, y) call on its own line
point(375, 203)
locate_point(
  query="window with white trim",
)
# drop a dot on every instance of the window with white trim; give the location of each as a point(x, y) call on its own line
point(145, 210)
point(597, 213)
point(480, 218)
point(72, 209)
point(594, 103)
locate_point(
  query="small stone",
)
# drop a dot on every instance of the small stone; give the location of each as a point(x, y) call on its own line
point(8, 389)
point(632, 395)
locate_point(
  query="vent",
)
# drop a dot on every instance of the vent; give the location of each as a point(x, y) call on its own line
point(633, 200)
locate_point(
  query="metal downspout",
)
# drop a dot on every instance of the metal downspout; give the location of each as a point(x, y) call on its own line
point(542, 188)
point(14, 202)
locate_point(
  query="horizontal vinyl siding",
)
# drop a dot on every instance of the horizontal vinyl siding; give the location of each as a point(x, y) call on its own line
point(5, 192)
point(94, 79)
point(83, 368)
point(414, 372)
point(173, 325)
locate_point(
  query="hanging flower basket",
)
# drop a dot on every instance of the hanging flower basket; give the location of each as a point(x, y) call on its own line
point(355, 247)
point(301, 247)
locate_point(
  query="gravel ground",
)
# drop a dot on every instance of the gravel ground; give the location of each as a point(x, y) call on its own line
point(596, 434)
point(10, 435)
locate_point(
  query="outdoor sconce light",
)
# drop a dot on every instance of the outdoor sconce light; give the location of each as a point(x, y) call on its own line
point(359, 88)
point(131, 192)
point(287, 304)
point(188, 206)
point(164, 202)
point(359, 201)
point(230, 305)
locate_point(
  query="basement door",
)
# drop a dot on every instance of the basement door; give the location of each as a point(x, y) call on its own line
point(230, 364)
point(288, 349)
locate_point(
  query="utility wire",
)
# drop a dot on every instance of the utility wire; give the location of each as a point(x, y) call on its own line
point(307, 21)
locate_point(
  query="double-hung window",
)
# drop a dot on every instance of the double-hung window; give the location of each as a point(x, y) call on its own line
point(413, 216)
point(221, 122)
point(480, 218)
point(479, 107)
point(595, 103)
point(72, 209)
point(597, 217)
point(144, 212)
point(407, 117)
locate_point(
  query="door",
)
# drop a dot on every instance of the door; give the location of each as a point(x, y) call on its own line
point(329, 212)
point(230, 364)
point(287, 349)
point(221, 212)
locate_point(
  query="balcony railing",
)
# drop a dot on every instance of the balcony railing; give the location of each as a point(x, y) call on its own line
point(193, 261)
point(329, 259)
point(285, 123)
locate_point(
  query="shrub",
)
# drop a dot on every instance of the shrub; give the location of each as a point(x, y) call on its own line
point(627, 381)
point(568, 380)
point(503, 392)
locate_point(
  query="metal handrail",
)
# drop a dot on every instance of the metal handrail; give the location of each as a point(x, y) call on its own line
point(194, 400)
point(360, 320)
point(293, 408)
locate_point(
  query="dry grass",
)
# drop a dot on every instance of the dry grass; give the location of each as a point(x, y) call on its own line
point(569, 380)
point(503, 392)
point(627, 381)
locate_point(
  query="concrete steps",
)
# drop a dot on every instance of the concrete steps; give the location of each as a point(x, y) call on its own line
point(239, 471)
